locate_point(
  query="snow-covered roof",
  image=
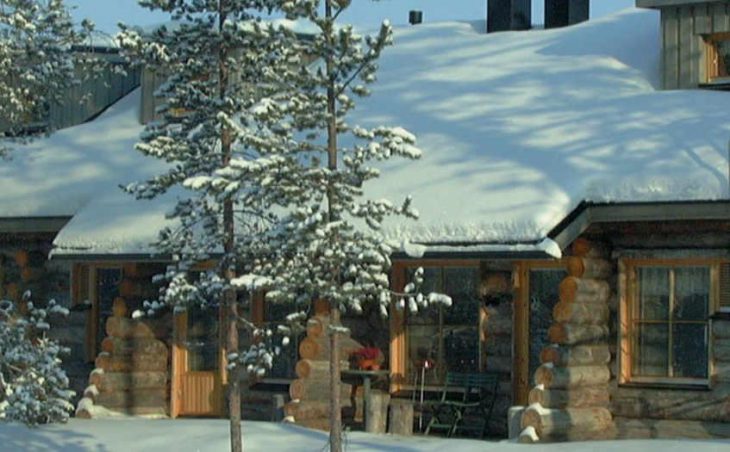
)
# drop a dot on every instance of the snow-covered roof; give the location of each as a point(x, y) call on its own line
point(517, 129)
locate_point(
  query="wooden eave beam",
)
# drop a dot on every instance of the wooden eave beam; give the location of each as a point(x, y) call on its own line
point(587, 214)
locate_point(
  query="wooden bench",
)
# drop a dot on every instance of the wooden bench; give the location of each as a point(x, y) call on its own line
point(466, 403)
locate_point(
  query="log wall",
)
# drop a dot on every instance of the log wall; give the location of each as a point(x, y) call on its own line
point(132, 371)
point(309, 392)
point(570, 400)
point(24, 266)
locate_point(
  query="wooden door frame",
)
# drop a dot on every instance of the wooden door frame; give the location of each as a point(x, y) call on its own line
point(521, 326)
point(178, 366)
point(92, 319)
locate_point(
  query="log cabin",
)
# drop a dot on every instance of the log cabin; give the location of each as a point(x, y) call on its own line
point(575, 205)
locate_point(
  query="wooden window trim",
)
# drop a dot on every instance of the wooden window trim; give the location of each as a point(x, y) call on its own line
point(521, 327)
point(628, 293)
point(398, 329)
point(92, 321)
point(711, 58)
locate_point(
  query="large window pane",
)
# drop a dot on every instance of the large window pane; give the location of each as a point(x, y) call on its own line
point(692, 293)
point(460, 285)
point(461, 350)
point(653, 293)
point(652, 357)
point(446, 337)
point(690, 350)
point(544, 295)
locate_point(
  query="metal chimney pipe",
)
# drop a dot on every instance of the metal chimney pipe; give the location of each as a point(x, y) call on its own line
point(415, 17)
point(506, 15)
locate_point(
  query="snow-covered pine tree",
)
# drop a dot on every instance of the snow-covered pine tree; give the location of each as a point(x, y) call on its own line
point(326, 242)
point(220, 60)
point(33, 386)
point(37, 64)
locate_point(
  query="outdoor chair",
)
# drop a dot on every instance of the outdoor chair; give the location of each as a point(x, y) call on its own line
point(466, 404)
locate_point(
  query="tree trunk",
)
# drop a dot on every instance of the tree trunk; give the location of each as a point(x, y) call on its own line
point(228, 261)
point(335, 403)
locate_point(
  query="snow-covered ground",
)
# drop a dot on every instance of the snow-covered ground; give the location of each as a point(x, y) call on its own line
point(212, 435)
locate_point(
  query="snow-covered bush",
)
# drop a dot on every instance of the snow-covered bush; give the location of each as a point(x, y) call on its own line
point(33, 386)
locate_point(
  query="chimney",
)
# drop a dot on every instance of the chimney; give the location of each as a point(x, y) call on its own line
point(415, 17)
point(561, 13)
point(505, 15)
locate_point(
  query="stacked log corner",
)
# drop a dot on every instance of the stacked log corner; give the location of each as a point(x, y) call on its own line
point(309, 405)
point(571, 397)
point(131, 375)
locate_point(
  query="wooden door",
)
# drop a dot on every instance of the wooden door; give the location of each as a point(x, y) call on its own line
point(197, 386)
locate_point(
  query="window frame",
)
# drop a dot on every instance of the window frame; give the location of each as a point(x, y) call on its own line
point(712, 61)
point(398, 326)
point(628, 303)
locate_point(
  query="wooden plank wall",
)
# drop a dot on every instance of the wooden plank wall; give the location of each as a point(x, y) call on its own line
point(150, 81)
point(102, 92)
point(684, 50)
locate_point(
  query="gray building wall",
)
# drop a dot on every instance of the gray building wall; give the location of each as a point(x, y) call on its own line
point(684, 26)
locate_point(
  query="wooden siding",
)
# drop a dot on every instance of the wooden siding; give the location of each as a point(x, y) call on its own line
point(684, 50)
point(150, 81)
point(85, 101)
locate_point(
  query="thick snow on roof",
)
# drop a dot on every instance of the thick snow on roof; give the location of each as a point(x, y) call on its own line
point(517, 128)
point(77, 172)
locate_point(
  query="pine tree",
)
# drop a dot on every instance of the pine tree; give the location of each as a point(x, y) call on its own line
point(326, 240)
point(220, 60)
point(37, 65)
point(33, 386)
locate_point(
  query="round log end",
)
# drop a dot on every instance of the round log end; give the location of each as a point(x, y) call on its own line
point(119, 307)
point(567, 289)
point(309, 349)
point(22, 258)
point(575, 266)
point(303, 368)
point(315, 327)
point(297, 389)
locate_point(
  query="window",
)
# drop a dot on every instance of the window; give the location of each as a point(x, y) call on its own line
point(271, 315)
point(665, 321)
point(446, 337)
point(718, 58)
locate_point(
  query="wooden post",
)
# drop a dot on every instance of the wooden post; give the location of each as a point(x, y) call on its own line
point(377, 411)
point(401, 417)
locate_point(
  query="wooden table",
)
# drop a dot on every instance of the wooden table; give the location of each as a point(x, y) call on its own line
point(363, 378)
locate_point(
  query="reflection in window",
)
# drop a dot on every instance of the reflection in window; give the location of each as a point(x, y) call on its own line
point(544, 295)
point(719, 56)
point(202, 339)
point(446, 337)
point(669, 324)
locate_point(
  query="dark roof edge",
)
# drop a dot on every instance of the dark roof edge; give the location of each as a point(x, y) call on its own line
point(587, 213)
point(129, 257)
point(16, 225)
